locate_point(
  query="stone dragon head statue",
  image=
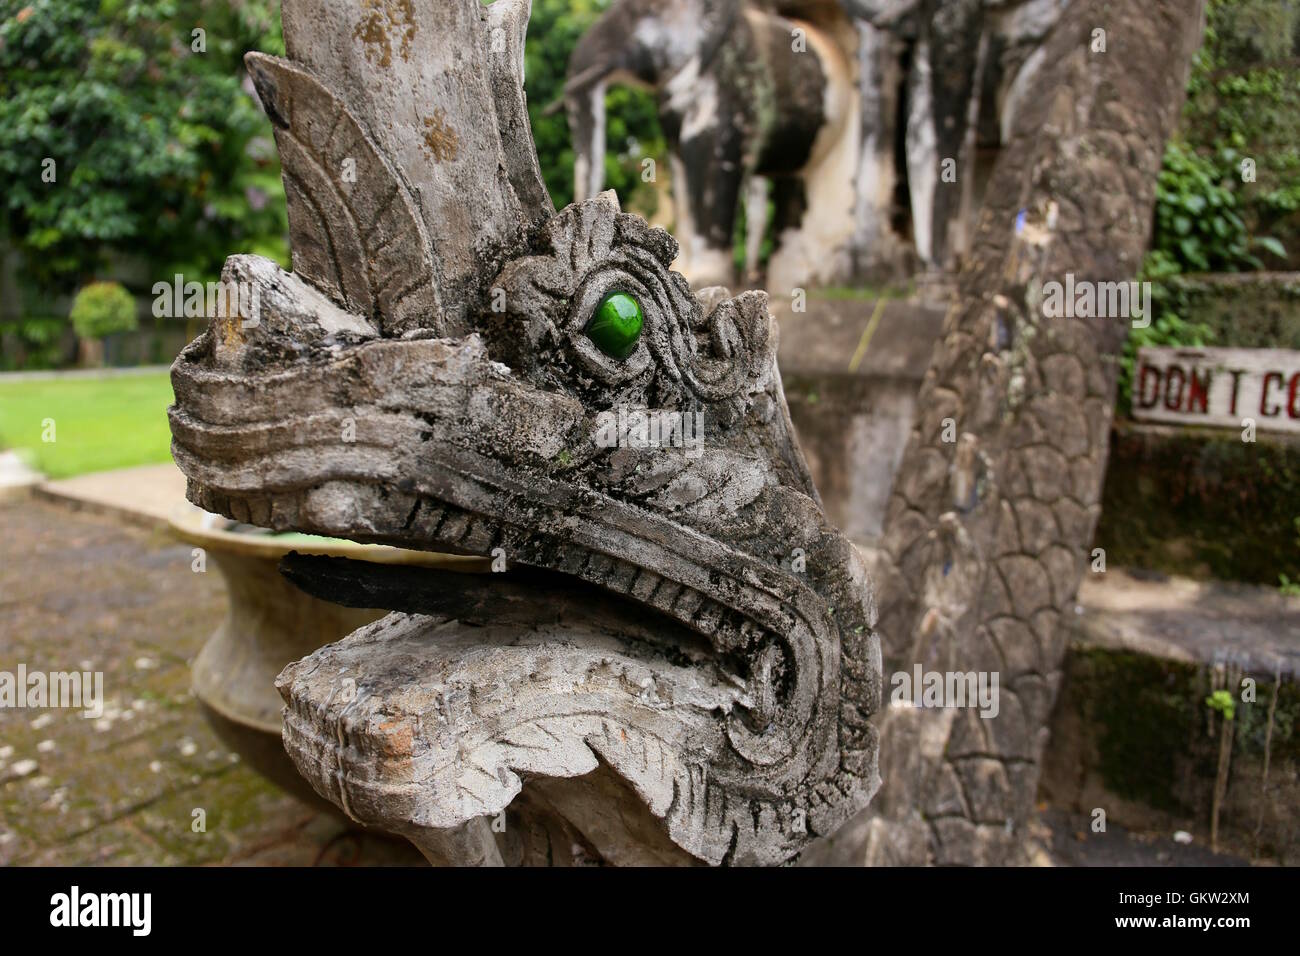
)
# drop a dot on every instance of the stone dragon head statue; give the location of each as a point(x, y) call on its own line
point(679, 662)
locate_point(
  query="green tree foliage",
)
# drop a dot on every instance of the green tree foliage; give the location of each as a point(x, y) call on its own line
point(1228, 196)
point(156, 149)
point(1198, 224)
point(632, 124)
point(1198, 228)
point(102, 308)
point(1244, 98)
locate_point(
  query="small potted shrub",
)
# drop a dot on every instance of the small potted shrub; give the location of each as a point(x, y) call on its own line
point(101, 309)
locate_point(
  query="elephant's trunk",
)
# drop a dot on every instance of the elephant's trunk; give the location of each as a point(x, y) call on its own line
point(586, 109)
point(613, 50)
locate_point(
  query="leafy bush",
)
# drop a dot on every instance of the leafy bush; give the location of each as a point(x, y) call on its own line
point(1244, 95)
point(102, 308)
point(1167, 325)
point(1198, 224)
point(32, 342)
point(1198, 227)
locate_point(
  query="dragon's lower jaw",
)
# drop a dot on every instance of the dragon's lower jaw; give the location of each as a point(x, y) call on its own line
point(444, 721)
point(487, 685)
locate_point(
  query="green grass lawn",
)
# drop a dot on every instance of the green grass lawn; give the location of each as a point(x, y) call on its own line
point(99, 423)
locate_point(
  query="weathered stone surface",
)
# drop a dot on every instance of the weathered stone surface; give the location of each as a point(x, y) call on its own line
point(292, 319)
point(729, 681)
point(399, 70)
point(851, 369)
point(945, 597)
point(821, 99)
point(1201, 502)
point(745, 95)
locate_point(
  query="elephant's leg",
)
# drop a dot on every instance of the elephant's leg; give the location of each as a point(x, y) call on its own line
point(1020, 31)
point(819, 251)
point(922, 155)
point(707, 172)
point(587, 122)
point(756, 189)
point(954, 43)
point(879, 252)
point(788, 203)
point(963, 222)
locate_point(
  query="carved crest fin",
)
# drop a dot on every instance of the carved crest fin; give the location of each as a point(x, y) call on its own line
point(352, 225)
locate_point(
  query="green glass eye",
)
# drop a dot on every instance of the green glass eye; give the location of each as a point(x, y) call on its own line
point(616, 325)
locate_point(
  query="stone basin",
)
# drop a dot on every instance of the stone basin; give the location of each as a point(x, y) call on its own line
point(269, 624)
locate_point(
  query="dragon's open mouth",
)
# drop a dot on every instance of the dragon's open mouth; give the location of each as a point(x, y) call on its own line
point(687, 594)
point(431, 444)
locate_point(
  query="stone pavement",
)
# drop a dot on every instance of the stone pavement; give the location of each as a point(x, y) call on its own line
point(89, 580)
point(85, 591)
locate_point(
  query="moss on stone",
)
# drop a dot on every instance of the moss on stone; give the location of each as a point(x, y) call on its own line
point(1243, 310)
point(1203, 503)
point(1133, 734)
point(1144, 709)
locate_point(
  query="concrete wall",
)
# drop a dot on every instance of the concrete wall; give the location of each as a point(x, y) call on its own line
point(851, 384)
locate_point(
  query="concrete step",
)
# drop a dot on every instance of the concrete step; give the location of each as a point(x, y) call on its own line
point(1133, 735)
point(1192, 501)
point(17, 478)
point(146, 495)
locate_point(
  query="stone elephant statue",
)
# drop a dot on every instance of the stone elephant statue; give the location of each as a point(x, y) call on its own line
point(877, 142)
point(941, 81)
point(745, 95)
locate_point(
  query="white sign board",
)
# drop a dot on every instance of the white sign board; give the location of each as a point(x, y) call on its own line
point(1191, 386)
